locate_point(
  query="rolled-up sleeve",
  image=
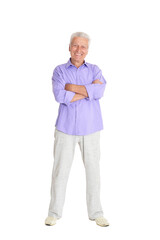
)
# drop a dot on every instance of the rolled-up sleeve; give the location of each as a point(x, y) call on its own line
point(96, 90)
point(58, 86)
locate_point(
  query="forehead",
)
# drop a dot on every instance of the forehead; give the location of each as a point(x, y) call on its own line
point(80, 40)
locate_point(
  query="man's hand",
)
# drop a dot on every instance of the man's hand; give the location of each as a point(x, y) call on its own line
point(97, 81)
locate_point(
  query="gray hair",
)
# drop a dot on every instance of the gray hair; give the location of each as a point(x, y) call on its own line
point(80, 34)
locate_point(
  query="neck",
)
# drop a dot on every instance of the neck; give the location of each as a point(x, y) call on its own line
point(77, 64)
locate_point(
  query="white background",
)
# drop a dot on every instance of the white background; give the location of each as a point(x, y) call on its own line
point(125, 45)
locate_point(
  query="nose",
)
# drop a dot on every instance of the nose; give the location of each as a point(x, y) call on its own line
point(78, 49)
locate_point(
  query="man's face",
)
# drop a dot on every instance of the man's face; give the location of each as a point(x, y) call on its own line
point(78, 49)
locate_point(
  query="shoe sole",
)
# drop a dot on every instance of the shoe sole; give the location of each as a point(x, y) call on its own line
point(50, 224)
point(102, 225)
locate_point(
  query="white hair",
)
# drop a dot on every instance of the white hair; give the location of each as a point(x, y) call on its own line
point(80, 34)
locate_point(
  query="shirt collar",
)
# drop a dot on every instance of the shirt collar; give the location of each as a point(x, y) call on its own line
point(68, 64)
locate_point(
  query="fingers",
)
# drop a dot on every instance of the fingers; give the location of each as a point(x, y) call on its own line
point(97, 81)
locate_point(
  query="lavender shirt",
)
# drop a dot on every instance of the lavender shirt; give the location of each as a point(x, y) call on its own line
point(81, 117)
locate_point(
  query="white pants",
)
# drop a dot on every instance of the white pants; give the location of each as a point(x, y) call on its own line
point(64, 147)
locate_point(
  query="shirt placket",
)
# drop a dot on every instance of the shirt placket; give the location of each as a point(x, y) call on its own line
point(76, 105)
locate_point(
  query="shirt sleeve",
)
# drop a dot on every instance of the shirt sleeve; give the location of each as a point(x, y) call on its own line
point(96, 91)
point(58, 86)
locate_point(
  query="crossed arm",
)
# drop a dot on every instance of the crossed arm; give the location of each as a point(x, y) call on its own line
point(79, 90)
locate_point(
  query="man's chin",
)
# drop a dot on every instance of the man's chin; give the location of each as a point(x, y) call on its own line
point(79, 59)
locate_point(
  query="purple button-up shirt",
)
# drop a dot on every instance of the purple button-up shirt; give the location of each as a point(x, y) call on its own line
point(81, 117)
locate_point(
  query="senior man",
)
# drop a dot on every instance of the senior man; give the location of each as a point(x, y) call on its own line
point(77, 86)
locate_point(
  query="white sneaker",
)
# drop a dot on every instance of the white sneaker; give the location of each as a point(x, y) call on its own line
point(50, 221)
point(101, 221)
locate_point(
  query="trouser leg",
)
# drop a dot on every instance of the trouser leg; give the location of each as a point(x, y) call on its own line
point(90, 150)
point(64, 146)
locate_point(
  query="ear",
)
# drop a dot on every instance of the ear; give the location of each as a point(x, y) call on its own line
point(69, 48)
